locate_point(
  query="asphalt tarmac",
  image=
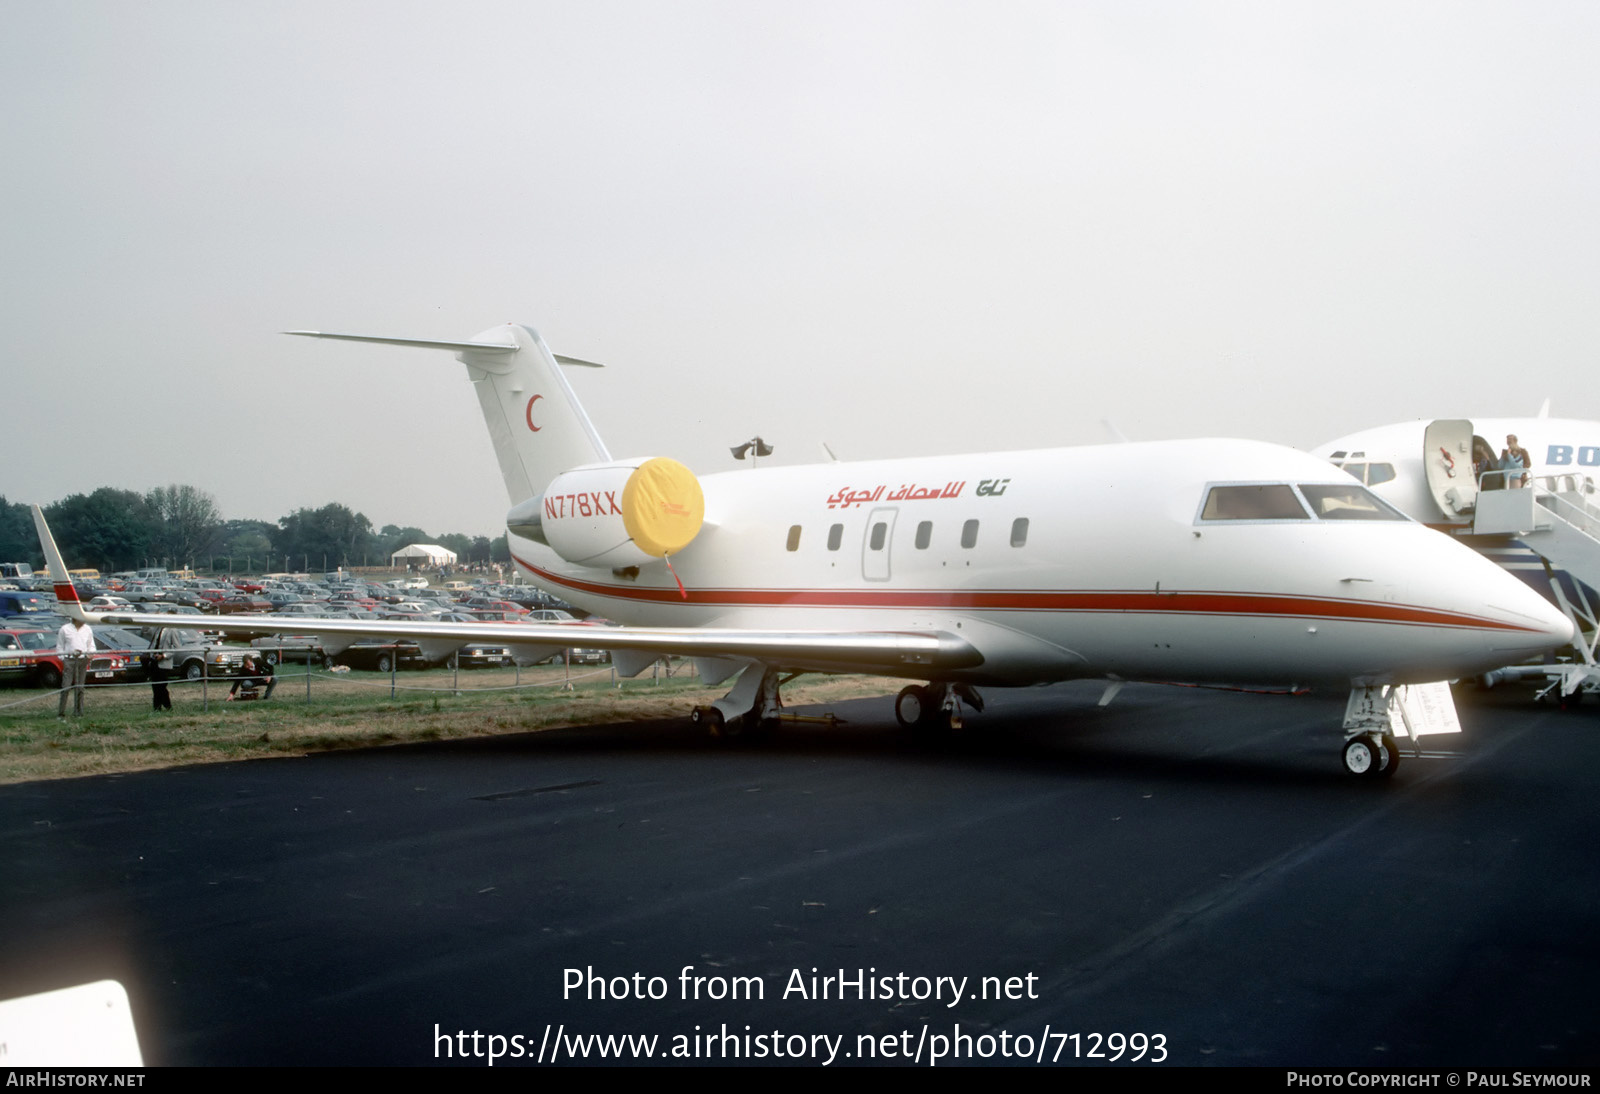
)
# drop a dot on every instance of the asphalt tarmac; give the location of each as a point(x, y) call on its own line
point(1188, 874)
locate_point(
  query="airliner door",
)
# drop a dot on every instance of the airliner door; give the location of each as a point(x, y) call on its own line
point(876, 543)
point(1447, 462)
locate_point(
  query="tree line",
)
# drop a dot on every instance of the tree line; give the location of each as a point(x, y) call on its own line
point(181, 526)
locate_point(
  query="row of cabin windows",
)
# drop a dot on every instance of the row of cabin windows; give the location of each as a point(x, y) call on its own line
point(879, 535)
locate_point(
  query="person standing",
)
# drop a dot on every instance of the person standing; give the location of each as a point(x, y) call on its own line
point(159, 666)
point(1515, 461)
point(74, 642)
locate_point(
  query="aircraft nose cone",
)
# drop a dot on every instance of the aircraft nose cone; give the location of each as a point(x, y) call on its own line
point(1529, 624)
point(1548, 627)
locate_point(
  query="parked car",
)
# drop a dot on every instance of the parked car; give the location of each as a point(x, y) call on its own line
point(29, 657)
point(550, 615)
point(19, 661)
point(381, 655)
point(291, 647)
point(482, 655)
point(244, 602)
point(197, 658)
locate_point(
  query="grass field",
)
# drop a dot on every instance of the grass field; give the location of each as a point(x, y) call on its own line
point(120, 732)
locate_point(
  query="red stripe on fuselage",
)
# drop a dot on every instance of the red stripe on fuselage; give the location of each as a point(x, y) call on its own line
point(1127, 601)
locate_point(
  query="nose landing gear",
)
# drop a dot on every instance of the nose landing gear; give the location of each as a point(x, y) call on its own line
point(1372, 755)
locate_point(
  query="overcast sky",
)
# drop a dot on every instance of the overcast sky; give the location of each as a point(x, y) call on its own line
point(900, 228)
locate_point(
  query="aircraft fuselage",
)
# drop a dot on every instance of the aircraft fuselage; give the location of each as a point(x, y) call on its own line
point(1091, 561)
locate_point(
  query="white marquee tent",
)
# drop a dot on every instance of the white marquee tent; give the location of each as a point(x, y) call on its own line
point(423, 554)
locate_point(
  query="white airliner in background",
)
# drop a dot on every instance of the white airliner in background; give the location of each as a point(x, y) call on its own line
point(1540, 522)
point(1431, 470)
point(1207, 561)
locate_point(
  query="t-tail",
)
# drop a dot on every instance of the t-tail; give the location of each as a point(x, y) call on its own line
point(535, 421)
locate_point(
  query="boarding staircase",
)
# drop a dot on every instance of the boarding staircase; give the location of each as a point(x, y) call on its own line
point(1558, 518)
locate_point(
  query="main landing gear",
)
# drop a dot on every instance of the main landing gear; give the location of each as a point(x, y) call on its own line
point(754, 707)
point(934, 708)
point(749, 711)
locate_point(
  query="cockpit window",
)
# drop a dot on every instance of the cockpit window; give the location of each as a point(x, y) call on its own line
point(1370, 473)
point(1341, 502)
point(1255, 501)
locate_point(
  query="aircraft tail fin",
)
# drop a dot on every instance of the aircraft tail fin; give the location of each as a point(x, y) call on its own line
point(535, 422)
point(66, 591)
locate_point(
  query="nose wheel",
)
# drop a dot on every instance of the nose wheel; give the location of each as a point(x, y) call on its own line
point(1372, 756)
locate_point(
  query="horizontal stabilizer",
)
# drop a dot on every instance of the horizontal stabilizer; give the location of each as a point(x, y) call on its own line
point(535, 423)
point(427, 343)
point(420, 343)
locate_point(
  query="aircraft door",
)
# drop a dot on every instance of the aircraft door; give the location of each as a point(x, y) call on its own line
point(1447, 462)
point(875, 544)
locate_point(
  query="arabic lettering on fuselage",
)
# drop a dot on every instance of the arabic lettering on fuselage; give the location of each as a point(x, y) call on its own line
point(845, 497)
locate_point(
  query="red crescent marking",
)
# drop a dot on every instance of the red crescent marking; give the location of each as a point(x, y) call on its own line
point(529, 414)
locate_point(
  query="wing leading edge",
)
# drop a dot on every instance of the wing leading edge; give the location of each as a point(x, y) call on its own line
point(892, 653)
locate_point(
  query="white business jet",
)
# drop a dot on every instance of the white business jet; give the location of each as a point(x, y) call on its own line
point(1207, 561)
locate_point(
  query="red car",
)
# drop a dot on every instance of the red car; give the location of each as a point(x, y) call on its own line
point(29, 658)
point(243, 603)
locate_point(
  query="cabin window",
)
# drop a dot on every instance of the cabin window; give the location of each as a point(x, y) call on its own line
point(794, 537)
point(924, 534)
point(880, 532)
point(835, 536)
point(1019, 532)
point(1340, 502)
point(969, 534)
point(1257, 501)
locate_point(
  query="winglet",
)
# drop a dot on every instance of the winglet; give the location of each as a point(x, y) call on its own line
point(66, 591)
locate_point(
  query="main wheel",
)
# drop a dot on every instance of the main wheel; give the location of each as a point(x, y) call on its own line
point(711, 718)
point(385, 663)
point(272, 657)
point(1361, 756)
point(194, 670)
point(1391, 753)
point(50, 678)
point(911, 706)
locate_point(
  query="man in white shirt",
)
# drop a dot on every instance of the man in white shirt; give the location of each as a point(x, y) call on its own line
point(74, 642)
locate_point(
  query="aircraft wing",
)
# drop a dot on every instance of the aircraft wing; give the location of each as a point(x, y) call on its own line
point(886, 652)
point(894, 653)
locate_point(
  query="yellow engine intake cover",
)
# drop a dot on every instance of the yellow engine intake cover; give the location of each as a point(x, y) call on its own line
point(662, 507)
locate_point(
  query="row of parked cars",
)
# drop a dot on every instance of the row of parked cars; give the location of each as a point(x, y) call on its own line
point(29, 622)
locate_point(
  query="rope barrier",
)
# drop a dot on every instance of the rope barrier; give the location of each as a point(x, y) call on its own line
point(284, 677)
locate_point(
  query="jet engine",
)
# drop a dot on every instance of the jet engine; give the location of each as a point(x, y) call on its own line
point(621, 514)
